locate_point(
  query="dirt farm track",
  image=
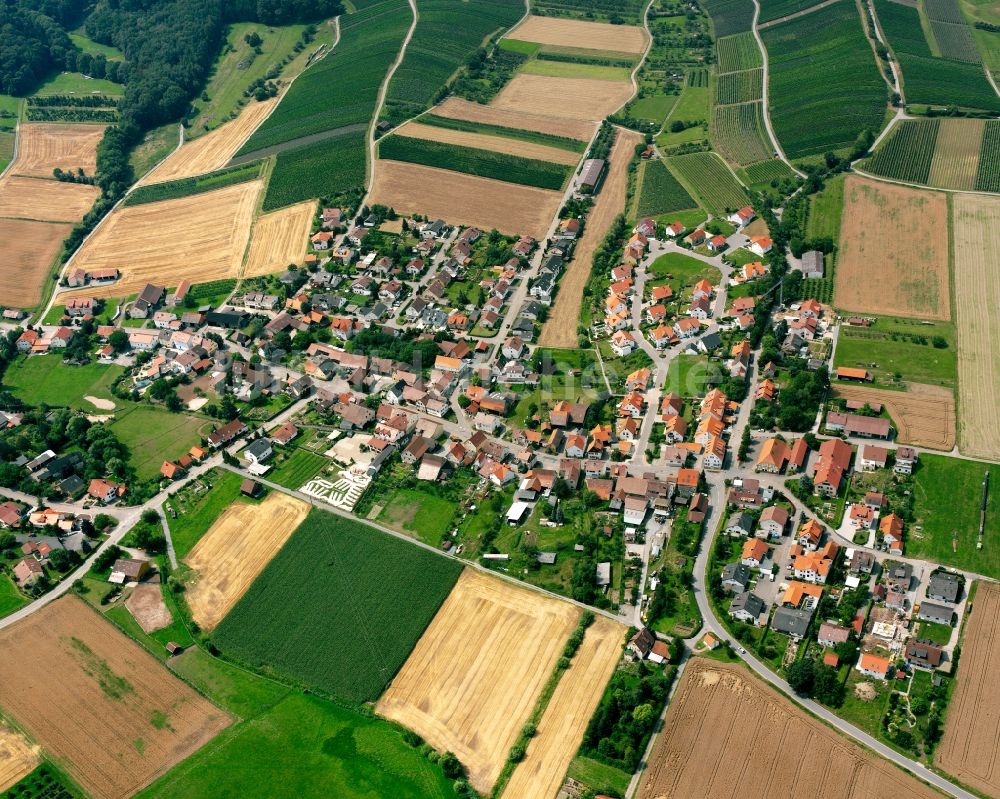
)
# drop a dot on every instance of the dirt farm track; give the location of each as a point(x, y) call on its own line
point(235, 550)
point(728, 735)
point(924, 415)
point(115, 718)
point(476, 673)
point(560, 328)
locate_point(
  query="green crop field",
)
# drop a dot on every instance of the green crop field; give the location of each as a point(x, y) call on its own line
point(711, 180)
point(562, 142)
point(472, 161)
point(342, 88)
point(739, 87)
point(825, 86)
point(908, 152)
point(573, 69)
point(926, 79)
point(739, 134)
point(239, 65)
point(947, 496)
point(988, 174)
point(776, 9)
point(955, 41)
point(326, 168)
point(661, 192)
point(729, 16)
point(617, 11)
point(762, 173)
point(339, 608)
point(447, 33)
point(185, 187)
point(738, 52)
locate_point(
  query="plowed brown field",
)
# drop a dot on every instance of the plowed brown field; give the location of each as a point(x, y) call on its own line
point(465, 199)
point(104, 708)
point(560, 732)
point(968, 749)
point(560, 328)
point(893, 255)
point(235, 550)
point(213, 150)
point(924, 415)
point(711, 747)
point(18, 758)
point(976, 235)
point(198, 238)
point(457, 108)
point(29, 249)
point(41, 147)
point(578, 33)
point(45, 200)
point(570, 98)
point(497, 144)
point(279, 238)
point(476, 673)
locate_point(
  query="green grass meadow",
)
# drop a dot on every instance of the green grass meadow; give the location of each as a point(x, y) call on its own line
point(10, 598)
point(197, 512)
point(43, 378)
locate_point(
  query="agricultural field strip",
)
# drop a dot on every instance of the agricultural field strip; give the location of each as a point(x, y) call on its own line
point(458, 108)
point(42, 147)
point(578, 33)
point(570, 98)
point(44, 200)
point(497, 144)
point(278, 239)
point(924, 416)
point(30, 250)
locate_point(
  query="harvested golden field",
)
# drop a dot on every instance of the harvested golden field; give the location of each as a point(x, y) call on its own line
point(956, 153)
point(279, 238)
point(235, 550)
point(562, 32)
point(105, 709)
point(29, 250)
point(571, 98)
point(464, 199)
point(497, 144)
point(924, 415)
point(893, 255)
point(18, 758)
point(711, 746)
point(476, 674)
point(457, 108)
point(560, 731)
point(213, 150)
point(41, 147)
point(560, 327)
point(968, 749)
point(976, 236)
point(45, 200)
point(198, 238)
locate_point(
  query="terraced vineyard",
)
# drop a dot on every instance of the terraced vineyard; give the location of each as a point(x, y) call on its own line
point(764, 172)
point(739, 87)
point(661, 192)
point(825, 86)
point(329, 168)
point(907, 153)
point(739, 134)
point(739, 52)
point(711, 180)
point(926, 78)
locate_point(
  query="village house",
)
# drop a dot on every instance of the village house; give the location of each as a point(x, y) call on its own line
point(748, 607)
point(875, 666)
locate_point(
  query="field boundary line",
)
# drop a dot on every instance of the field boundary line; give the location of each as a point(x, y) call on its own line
point(925, 187)
point(17, 141)
point(804, 12)
point(765, 93)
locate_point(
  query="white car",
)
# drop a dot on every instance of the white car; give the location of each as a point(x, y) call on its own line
point(742, 651)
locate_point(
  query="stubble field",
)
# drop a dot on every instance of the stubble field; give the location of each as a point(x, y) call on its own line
point(560, 731)
point(213, 150)
point(924, 415)
point(972, 726)
point(570, 98)
point(457, 108)
point(476, 673)
point(496, 144)
point(105, 709)
point(465, 199)
point(235, 550)
point(41, 147)
point(199, 238)
point(711, 747)
point(29, 250)
point(976, 233)
point(18, 757)
point(893, 255)
point(561, 32)
point(278, 239)
point(560, 328)
point(45, 200)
